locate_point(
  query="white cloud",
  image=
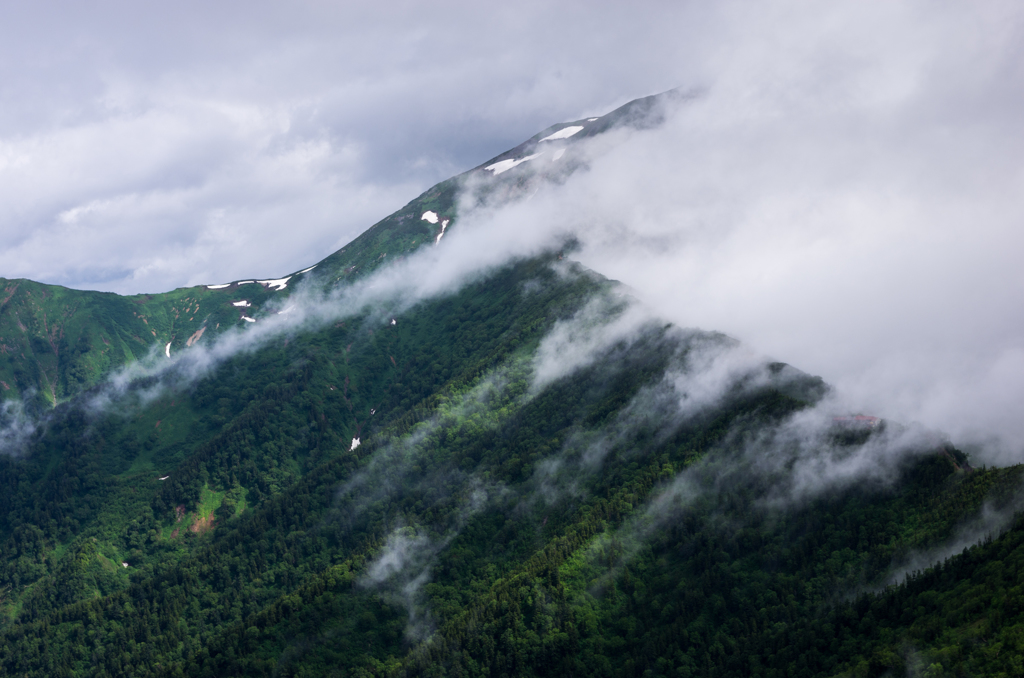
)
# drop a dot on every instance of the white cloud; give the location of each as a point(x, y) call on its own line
point(844, 195)
point(139, 146)
point(192, 192)
point(16, 427)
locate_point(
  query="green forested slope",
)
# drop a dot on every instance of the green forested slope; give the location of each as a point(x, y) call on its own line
point(55, 342)
point(409, 495)
point(257, 555)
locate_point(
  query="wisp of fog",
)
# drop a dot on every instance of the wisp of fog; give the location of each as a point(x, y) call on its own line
point(846, 199)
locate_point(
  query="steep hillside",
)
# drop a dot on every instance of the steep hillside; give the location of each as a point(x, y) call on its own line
point(55, 342)
point(523, 474)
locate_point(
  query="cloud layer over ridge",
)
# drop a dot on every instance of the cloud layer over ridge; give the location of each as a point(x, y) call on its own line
point(844, 193)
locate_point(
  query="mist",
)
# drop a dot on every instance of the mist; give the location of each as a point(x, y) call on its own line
point(144, 148)
point(844, 199)
point(796, 458)
point(990, 523)
point(402, 566)
point(842, 192)
point(16, 427)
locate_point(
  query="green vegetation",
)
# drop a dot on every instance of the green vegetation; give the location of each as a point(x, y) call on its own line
point(258, 554)
point(56, 343)
point(485, 524)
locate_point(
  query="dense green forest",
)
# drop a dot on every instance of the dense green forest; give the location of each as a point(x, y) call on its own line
point(473, 530)
point(472, 485)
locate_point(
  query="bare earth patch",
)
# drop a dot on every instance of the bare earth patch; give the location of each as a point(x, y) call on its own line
point(201, 525)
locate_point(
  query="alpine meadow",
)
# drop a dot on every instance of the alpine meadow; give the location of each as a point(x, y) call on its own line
point(450, 448)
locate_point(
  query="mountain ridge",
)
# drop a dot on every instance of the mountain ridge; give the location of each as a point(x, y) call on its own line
point(527, 474)
point(37, 319)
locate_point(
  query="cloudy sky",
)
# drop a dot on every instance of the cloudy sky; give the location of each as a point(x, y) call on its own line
point(146, 145)
point(845, 193)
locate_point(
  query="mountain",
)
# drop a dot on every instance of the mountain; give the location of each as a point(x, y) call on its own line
point(346, 471)
point(56, 342)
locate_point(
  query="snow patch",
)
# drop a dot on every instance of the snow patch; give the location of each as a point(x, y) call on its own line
point(243, 303)
point(444, 225)
point(307, 270)
point(287, 310)
point(430, 216)
point(506, 165)
point(394, 322)
point(246, 282)
point(248, 319)
point(279, 284)
point(218, 287)
point(167, 349)
point(355, 444)
point(591, 119)
point(124, 564)
point(558, 154)
point(164, 478)
point(563, 133)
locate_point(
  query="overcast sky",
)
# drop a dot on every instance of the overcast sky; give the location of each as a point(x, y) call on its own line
point(844, 195)
point(145, 146)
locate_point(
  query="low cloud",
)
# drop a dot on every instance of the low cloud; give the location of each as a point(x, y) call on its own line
point(606, 320)
point(703, 371)
point(621, 546)
point(990, 522)
point(427, 274)
point(805, 456)
point(782, 464)
point(842, 195)
point(780, 468)
point(16, 427)
point(144, 149)
point(403, 548)
point(395, 466)
point(403, 565)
